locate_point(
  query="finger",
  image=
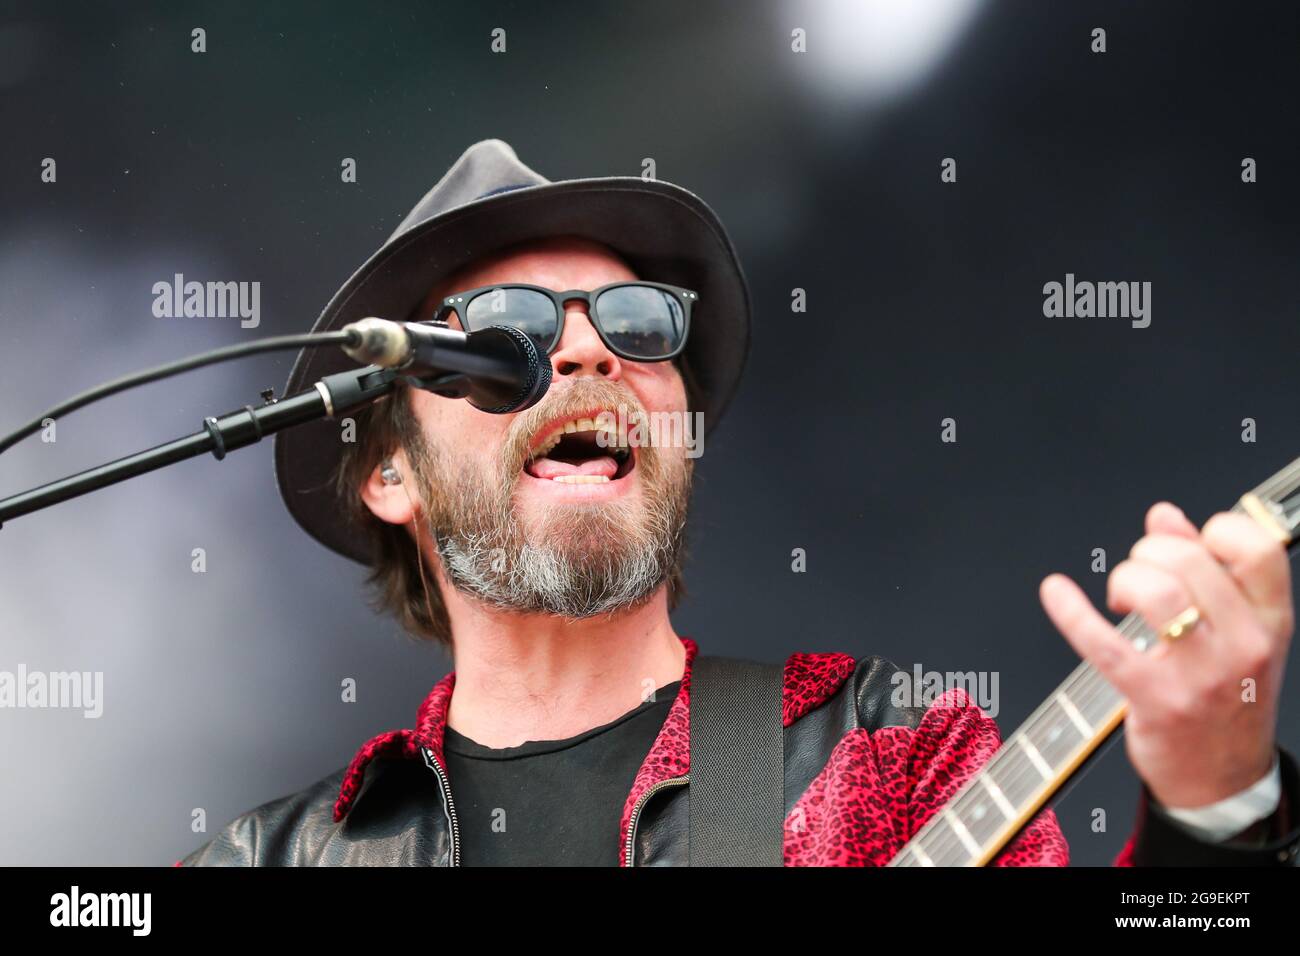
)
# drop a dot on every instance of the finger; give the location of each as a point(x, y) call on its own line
point(1091, 635)
point(1153, 592)
point(1257, 562)
point(1165, 517)
point(1211, 588)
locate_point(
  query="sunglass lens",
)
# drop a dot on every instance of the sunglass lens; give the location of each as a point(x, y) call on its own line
point(642, 321)
point(527, 310)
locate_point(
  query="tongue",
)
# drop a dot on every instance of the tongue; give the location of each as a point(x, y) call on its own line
point(549, 468)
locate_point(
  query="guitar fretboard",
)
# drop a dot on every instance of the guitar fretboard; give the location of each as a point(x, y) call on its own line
point(1048, 748)
point(1028, 768)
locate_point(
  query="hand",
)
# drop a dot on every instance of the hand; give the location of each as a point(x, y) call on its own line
point(1195, 731)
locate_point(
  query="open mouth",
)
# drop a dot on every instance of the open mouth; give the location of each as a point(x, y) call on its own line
point(579, 452)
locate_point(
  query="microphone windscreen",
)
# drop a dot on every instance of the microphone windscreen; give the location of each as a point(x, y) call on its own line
point(532, 383)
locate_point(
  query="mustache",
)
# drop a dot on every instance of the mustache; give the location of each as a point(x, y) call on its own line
point(573, 400)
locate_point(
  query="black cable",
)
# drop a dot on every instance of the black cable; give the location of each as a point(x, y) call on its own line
point(273, 344)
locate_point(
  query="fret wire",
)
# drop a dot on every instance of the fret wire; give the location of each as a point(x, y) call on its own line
point(982, 816)
point(1073, 687)
point(1277, 490)
point(1085, 687)
point(1084, 673)
point(1015, 774)
point(984, 820)
point(1010, 773)
point(1287, 478)
point(1279, 479)
point(1059, 737)
point(941, 843)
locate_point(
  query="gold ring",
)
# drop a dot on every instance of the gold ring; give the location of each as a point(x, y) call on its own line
point(1179, 626)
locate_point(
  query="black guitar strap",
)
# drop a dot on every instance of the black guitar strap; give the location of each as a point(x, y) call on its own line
point(737, 798)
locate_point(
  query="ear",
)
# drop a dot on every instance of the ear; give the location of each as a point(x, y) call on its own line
point(391, 503)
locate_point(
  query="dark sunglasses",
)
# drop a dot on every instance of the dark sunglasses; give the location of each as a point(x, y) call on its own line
point(639, 321)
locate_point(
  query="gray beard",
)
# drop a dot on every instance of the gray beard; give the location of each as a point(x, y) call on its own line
point(593, 560)
point(550, 580)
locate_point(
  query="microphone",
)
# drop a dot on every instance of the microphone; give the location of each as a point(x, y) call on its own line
point(497, 369)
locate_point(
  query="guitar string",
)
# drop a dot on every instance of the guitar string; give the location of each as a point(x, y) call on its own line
point(938, 842)
point(1011, 769)
point(1084, 687)
point(1281, 485)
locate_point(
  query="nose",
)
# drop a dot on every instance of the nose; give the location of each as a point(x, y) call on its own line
point(581, 350)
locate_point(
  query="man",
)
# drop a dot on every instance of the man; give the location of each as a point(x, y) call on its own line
point(544, 549)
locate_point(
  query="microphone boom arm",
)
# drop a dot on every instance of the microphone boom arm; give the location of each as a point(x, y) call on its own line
point(329, 397)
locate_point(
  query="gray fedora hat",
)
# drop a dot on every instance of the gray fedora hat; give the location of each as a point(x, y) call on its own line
point(487, 200)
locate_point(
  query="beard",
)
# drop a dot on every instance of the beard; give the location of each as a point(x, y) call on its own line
point(576, 560)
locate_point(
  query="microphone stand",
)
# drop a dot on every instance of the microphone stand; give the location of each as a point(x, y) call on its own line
point(331, 396)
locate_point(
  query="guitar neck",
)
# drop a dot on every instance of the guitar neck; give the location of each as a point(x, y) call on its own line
point(1052, 744)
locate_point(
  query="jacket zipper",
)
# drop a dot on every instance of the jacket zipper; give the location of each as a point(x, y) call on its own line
point(640, 804)
point(445, 787)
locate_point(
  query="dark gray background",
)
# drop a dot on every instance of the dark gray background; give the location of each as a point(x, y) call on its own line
point(925, 301)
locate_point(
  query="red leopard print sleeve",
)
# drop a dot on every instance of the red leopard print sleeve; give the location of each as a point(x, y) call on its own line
point(879, 788)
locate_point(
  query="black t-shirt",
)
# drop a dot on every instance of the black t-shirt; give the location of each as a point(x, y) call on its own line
point(551, 802)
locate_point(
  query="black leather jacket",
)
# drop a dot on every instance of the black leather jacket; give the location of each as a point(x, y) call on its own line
point(393, 805)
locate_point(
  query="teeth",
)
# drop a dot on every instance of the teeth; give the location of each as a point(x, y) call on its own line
point(581, 425)
point(581, 479)
point(547, 444)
